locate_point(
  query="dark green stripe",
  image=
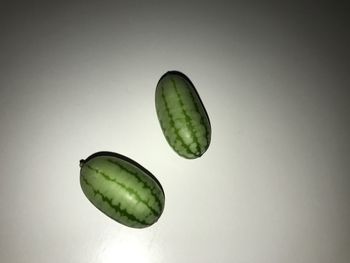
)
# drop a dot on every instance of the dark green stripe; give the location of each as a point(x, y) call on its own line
point(162, 125)
point(172, 123)
point(152, 189)
point(128, 189)
point(116, 208)
point(201, 116)
point(187, 117)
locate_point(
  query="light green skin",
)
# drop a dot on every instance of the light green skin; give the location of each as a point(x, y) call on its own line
point(182, 116)
point(122, 191)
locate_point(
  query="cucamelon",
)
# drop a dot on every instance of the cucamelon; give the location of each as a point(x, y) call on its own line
point(122, 189)
point(182, 116)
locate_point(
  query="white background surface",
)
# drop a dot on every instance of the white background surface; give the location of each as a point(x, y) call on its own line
point(77, 78)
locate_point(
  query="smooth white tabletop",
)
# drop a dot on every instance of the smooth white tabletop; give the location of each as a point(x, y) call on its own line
point(273, 187)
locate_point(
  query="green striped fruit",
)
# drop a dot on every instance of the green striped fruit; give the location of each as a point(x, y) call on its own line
point(122, 189)
point(182, 116)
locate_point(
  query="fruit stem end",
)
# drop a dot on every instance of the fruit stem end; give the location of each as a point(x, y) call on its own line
point(81, 162)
